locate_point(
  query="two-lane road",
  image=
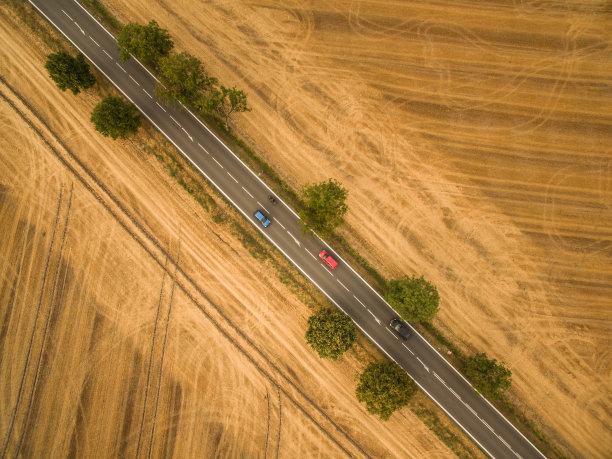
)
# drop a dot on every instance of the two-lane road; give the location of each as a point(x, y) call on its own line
point(343, 286)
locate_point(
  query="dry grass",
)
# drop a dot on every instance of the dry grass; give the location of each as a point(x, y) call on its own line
point(120, 335)
point(475, 137)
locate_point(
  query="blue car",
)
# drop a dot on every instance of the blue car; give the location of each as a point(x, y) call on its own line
point(265, 221)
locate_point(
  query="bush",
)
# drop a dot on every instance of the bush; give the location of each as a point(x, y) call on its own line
point(114, 117)
point(385, 387)
point(413, 298)
point(330, 333)
point(69, 72)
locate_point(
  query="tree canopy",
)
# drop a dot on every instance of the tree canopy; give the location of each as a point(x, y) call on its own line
point(148, 43)
point(69, 72)
point(414, 298)
point(325, 207)
point(114, 117)
point(488, 376)
point(182, 78)
point(229, 100)
point(330, 333)
point(385, 387)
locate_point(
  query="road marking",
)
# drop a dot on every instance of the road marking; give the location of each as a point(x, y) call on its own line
point(135, 81)
point(438, 378)
point(471, 410)
point(345, 287)
point(359, 301)
point(279, 248)
point(453, 392)
point(409, 350)
point(327, 270)
point(124, 71)
point(160, 106)
point(107, 53)
point(423, 364)
point(308, 251)
point(488, 426)
point(207, 153)
point(293, 237)
point(246, 191)
point(222, 168)
point(172, 118)
point(282, 226)
point(376, 318)
point(392, 334)
point(91, 38)
point(77, 24)
point(67, 15)
point(232, 177)
point(190, 138)
point(258, 203)
point(150, 96)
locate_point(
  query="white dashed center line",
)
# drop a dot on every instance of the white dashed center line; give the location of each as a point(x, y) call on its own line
point(232, 177)
point(293, 237)
point(107, 53)
point(327, 270)
point(423, 364)
point(148, 93)
point(77, 24)
point(310, 254)
point(282, 226)
point(190, 138)
point(160, 106)
point(221, 166)
point(247, 191)
point(404, 344)
point(375, 318)
point(345, 287)
point(172, 118)
point(91, 38)
point(208, 154)
point(392, 334)
point(135, 81)
point(124, 71)
point(359, 301)
point(67, 15)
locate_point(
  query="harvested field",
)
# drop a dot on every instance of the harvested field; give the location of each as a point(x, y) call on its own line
point(475, 137)
point(119, 334)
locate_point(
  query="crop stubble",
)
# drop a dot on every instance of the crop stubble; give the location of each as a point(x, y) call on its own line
point(474, 140)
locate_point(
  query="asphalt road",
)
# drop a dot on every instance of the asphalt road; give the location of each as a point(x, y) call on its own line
point(343, 286)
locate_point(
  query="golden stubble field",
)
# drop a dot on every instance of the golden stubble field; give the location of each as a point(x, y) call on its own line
point(121, 335)
point(474, 139)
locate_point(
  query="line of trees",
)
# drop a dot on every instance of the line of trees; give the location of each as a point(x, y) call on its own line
point(182, 77)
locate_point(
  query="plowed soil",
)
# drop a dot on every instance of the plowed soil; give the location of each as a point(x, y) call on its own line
point(120, 335)
point(474, 139)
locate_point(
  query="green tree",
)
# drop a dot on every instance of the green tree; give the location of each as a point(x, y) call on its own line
point(413, 298)
point(230, 100)
point(330, 333)
point(148, 43)
point(325, 207)
point(182, 78)
point(488, 376)
point(69, 72)
point(114, 117)
point(384, 386)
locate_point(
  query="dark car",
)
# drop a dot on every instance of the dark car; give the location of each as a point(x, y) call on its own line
point(265, 221)
point(400, 328)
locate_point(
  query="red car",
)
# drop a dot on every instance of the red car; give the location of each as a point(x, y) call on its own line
point(326, 257)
